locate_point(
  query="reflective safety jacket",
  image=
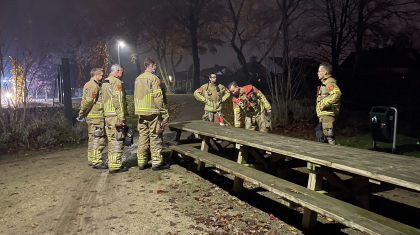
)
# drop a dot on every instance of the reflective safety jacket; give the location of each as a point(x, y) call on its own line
point(114, 98)
point(251, 101)
point(148, 96)
point(328, 95)
point(91, 106)
point(213, 95)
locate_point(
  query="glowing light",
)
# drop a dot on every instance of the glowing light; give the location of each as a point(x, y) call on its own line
point(121, 44)
point(170, 78)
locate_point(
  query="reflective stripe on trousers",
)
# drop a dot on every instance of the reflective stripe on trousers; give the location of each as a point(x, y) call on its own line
point(117, 142)
point(262, 121)
point(95, 141)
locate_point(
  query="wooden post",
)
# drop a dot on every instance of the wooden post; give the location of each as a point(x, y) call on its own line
point(242, 159)
point(65, 66)
point(204, 147)
point(314, 183)
point(362, 198)
point(177, 136)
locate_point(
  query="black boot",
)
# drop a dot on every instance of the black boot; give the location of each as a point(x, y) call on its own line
point(162, 166)
point(144, 167)
point(100, 167)
point(118, 171)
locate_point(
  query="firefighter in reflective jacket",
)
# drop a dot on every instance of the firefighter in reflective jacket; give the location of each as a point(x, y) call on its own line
point(253, 104)
point(115, 110)
point(213, 95)
point(91, 109)
point(327, 103)
point(149, 105)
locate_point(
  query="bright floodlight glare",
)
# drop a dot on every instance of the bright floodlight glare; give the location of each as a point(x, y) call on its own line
point(121, 44)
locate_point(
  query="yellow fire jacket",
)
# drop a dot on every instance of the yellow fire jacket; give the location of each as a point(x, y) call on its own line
point(148, 97)
point(91, 106)
point(114, 98)
point(329, 95)
point(251, 101)
point(212, 95)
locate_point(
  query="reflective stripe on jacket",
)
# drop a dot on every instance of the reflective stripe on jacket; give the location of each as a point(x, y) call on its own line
point(213, 99)
point(148, 97)
point(91, 100)
point(329, 95)
point(114, 97)
point(251, 102)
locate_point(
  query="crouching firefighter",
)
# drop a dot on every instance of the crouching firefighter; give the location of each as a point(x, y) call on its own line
point(253, 104)
point(149, 105)
point(327, 104)
point(213, 95)
point(91, 109)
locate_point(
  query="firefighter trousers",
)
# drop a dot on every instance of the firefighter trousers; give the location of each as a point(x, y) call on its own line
point(260, 122)
point(96, 144)
point(328, 127)
point(148, 127)
point(115, 143)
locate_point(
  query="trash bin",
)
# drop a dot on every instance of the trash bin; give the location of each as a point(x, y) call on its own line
point(383, 121)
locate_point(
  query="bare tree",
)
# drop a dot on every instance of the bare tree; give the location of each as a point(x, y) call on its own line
point(243, 21)
point(376, 17)
point(333, 26)
point(197, 17)
point(285, 82)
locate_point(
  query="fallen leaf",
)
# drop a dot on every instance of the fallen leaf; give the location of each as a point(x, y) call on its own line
point(329, 219)
point(291, 228)
point(159, 191)
point(272, 216)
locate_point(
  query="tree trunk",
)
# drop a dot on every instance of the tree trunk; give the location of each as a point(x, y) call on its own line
point(194, 47)
point(242, 62)
point(359, 45)
point(138, 67)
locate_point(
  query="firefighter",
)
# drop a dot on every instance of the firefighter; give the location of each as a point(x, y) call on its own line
point(213, 95)
point(91, 109)
point(327, 103)
point(115, 110)
point(254, 106)
point(149, 105)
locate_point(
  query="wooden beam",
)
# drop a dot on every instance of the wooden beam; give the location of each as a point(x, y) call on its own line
point(334, 180)
point(258, 156)
point(242, 159)
point(225, 143)
point(177, 135)
point(214, 144)
point(315, 184)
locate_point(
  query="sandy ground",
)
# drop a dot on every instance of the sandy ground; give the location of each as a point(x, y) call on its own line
point(58, 193)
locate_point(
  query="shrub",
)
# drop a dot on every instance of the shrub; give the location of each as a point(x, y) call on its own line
point(179, 90)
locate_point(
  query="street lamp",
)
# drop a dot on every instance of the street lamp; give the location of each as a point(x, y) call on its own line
point(120, 44)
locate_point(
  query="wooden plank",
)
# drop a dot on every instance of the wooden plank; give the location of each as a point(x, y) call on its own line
point(390, 168)
point(242, 159)
point(342, 212)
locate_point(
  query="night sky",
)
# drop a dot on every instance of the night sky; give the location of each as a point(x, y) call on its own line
point(58, 22)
